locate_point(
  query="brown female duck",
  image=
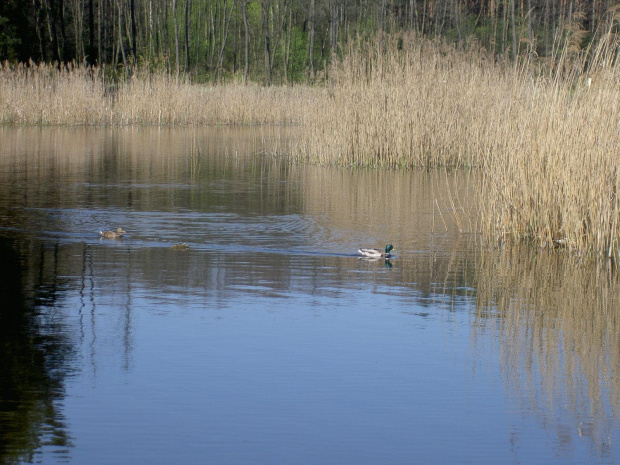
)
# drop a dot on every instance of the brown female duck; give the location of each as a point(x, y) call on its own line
point(113, 234)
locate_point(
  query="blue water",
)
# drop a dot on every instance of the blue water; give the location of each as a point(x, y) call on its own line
point(269, 341)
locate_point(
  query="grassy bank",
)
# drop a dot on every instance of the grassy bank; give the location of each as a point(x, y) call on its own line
point(544, 138)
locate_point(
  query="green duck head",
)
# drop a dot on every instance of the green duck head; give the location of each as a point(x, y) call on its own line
point(389, 248)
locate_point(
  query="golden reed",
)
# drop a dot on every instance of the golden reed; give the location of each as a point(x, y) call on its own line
point(77, 95)
point(544, 137)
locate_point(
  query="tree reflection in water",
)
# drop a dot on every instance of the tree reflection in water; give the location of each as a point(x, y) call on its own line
point(546, 324)
point(32, 351)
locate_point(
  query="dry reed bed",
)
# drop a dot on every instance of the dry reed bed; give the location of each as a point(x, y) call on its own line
point(403, 108)
point(546, 143)
point(74, 95)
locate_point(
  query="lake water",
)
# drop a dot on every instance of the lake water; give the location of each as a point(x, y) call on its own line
point(267, 340)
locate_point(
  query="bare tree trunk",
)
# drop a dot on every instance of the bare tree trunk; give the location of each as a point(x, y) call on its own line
point(149, 14)
point(176, 38)
point(440, 25)
point(246, 28)
point(266, 10)
point(78, 14)
point(383, 15)
point(333, 24)
point(63, 31)
point(187, 7)
point(413, 11)
point(120, 36)
point(212, 36)
point(91, 32)
point(530, 32)
point(53, 32)
point(293, 54)
point(504, 31)
point(278, 37)
point(220, 59)
point(514, 31)
point(100, 50)
point(198, 41)
point(546, 28)
point(457, 20)
point(39, 25)
point(312, 13)
point(286, 55)
point(134, 46)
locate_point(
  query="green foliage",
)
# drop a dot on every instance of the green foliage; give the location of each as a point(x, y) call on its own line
point(43, 31)
point(9, 40)
point(300, 55)
point(254, 13)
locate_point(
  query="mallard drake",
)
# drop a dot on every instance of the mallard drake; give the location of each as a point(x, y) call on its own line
point(377, 253)
point(113, 234)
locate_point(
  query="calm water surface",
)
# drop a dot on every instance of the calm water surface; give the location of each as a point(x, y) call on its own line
point(268, 341)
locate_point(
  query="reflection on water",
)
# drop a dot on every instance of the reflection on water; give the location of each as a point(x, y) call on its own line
point(33, 361)
point(555, 328)
point(267, 339)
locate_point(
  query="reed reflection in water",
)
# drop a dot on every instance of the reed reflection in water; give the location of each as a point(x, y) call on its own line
point(268, 340)
point(553, 323)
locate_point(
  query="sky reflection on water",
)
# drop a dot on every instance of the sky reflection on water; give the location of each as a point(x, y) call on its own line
point(282, 376)
point(269, 341)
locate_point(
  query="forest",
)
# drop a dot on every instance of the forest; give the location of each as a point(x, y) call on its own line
point(279, 41)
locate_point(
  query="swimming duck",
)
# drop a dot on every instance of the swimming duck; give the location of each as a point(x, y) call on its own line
point(113, 234)
point(377, 253)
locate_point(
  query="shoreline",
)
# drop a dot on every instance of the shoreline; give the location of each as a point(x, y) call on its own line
point(545, 141)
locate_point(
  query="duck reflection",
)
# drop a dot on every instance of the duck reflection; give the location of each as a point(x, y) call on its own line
point(379, 260)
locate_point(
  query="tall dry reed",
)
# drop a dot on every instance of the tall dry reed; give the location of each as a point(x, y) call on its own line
point(45, 94)
point(552, 174)
point(403, 102)
point(76, 95)
point(545, 139)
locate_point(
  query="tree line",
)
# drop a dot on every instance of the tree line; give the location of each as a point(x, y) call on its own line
point(278, 41)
